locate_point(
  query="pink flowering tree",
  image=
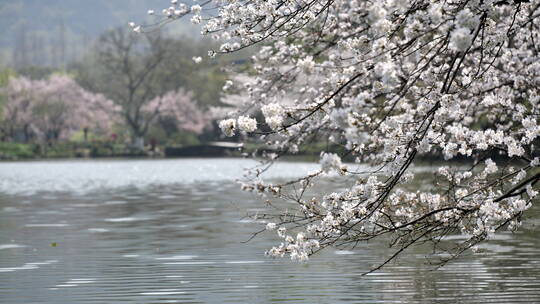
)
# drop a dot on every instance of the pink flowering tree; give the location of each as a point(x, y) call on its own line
point(391, 82)
point(54, 108)
point(180, 108)
point(17, 108)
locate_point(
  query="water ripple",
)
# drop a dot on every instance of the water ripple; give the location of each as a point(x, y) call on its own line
point(181, 241)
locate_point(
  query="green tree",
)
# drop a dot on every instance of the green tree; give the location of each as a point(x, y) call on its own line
point(5, 74)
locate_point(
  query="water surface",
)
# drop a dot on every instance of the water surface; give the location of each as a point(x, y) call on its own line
point(173, 231)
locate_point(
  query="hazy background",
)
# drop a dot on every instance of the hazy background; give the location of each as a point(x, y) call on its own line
point(65, 54)
point(56, 32)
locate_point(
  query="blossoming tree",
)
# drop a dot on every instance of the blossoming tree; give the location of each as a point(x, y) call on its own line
point(54, 108)
point(179, 107)
point(16, 110)
point(391, 81)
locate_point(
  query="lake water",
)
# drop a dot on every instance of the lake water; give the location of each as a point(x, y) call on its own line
point(173, 231)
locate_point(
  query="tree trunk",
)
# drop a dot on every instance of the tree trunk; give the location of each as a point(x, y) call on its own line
point(138, 142)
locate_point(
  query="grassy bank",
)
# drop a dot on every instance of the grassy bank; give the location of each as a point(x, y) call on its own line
point(22, 151)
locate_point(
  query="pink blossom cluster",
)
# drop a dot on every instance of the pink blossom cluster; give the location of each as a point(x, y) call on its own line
point(179, 106)
point(54, 108)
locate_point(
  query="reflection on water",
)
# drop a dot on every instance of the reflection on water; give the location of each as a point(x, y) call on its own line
point(69, 236)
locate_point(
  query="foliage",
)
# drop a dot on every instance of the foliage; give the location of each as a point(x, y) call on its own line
point(16, 150)
point(36, 72)
point(173, 138)
point(65, 149)
point(390, 81)
point(179, 69)
point(5, 75)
